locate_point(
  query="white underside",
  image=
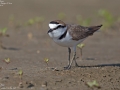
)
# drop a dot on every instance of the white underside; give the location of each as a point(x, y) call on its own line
point(67, 41)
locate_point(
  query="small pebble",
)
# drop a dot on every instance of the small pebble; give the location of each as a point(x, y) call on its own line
point(20, 85)
point(44, 84)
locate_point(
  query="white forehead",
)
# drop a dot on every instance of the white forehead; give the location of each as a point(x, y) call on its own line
point(52, 26)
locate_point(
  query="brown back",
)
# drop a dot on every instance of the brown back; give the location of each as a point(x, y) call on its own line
point(79, 32)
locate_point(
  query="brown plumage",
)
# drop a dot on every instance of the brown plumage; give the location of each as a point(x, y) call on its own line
point(79, 32)
point(58, 22)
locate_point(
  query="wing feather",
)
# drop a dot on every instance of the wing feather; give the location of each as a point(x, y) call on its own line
point(80, 32)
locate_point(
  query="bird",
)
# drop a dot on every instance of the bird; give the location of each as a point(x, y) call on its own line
point(70, 35)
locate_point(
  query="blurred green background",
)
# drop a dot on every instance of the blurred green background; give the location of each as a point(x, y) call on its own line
point(83, 12)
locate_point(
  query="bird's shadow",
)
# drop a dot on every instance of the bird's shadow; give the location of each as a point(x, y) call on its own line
point(101, 65)
point(10, 48)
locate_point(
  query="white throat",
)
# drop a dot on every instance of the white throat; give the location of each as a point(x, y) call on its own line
point(55, 34)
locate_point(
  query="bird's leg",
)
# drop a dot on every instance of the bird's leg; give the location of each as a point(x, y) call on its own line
point(76, 63)
point(74, 57)
point(69, 51)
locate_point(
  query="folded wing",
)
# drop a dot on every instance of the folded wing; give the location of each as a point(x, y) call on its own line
point(79, 32)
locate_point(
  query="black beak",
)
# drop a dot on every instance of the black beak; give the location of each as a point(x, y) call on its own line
point(50, 30)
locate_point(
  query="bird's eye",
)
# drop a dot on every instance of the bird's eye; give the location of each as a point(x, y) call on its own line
point(60, 26)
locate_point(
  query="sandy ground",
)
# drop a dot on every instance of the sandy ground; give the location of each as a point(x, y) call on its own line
point(28, 46)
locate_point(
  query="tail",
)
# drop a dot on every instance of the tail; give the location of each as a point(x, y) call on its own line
point(93, 29)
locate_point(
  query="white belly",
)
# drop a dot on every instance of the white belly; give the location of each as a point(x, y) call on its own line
point(67, 41)
point(70, 43)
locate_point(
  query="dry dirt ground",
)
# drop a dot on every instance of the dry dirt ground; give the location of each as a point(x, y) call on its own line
point(28, 46)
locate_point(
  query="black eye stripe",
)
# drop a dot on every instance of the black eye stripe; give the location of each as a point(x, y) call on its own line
point(59, 26)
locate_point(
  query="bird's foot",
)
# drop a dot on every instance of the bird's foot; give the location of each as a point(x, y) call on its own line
point(67, 67)
point(76, 65)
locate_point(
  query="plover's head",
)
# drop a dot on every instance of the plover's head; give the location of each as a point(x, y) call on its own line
point(56, 24)
point(57, 28)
